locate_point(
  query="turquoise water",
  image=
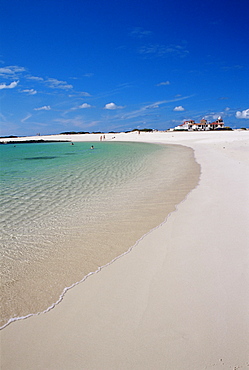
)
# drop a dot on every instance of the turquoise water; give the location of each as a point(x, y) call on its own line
point(38, 178)
point(67, 209)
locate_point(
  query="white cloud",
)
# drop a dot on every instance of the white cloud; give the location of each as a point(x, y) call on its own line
point(163, 83)
point(30, 91)
point(10, 86)
point(2, 117)
point(84, 105)
point(79, 93)
point(141, 111)
point(56, 84)
point(227, 112)
point(179, 109)
point(158, 50)
point(11, 71)
point(45, 107)
point(152, 106)
point(140, 32)
point(34, 78)
point(112, 106)
point(84, 93)
point(243, 114)
point(25, 118)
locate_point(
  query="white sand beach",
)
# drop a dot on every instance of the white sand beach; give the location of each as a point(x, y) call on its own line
point(178, 300)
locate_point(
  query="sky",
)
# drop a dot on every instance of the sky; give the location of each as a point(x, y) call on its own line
point(101, 66)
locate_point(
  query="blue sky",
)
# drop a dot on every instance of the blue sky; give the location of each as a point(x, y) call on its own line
point(84, 65)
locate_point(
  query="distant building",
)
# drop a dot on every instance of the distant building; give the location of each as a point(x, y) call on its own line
point(203, 125)
point(217, 124)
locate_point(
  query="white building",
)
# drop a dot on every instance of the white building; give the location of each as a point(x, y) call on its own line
point(203, 125)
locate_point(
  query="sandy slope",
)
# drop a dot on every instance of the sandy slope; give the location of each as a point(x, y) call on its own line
point(179, 300)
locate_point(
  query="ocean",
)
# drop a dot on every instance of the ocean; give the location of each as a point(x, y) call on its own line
point(68, 210)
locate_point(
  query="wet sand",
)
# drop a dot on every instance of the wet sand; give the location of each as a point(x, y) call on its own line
point(178, 300)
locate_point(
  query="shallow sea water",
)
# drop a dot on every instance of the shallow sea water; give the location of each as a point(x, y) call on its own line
point(66, 210)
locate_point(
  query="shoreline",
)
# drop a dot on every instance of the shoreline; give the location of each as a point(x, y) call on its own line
point(66, 289)
point(179, 300)
point(86, 247)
